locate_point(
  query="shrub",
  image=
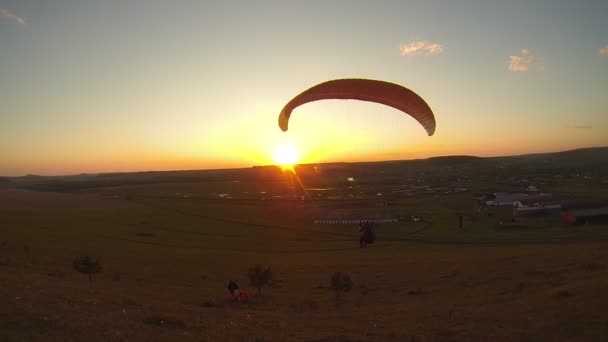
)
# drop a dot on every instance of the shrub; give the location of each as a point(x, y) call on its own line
point(87, 265)
point(260, 277)
point(341, 283)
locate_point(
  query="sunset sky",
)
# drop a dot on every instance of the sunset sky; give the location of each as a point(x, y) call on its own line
point(130, 85)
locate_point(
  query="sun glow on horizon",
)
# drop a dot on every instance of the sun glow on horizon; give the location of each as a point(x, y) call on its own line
point(286, 155)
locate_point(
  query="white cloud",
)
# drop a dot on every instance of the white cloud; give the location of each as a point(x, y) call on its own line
point(524, 61)
point(603, 51)
point(12, 16)
point(420, 47)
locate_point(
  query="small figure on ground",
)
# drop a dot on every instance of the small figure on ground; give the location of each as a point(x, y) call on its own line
point(233, 288)
point(236, 294)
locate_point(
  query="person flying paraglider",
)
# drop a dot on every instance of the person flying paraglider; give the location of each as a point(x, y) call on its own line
point(377, 91)
point(368, 233)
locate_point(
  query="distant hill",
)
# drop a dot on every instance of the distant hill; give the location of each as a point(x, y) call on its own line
point(584, 157)
point(578, 156)
point(446, 160)
point(589, 160)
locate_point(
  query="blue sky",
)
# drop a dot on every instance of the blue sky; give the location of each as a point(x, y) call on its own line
point(91, 86)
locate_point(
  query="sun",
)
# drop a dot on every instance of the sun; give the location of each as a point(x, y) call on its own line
point(286, 155)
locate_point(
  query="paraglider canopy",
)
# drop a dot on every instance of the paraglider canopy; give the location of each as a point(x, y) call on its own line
point(382, 92)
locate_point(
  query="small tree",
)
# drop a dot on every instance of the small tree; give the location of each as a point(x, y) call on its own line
point(87, 265)
point(260, 277)
point(341, 283)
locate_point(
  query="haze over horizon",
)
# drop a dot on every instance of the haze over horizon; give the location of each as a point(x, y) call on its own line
point(302, 163)
point(89, 86)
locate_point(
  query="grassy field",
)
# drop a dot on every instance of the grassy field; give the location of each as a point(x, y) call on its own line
point(168, 250)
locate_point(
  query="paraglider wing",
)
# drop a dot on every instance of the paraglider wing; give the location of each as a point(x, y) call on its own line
point(386, 93)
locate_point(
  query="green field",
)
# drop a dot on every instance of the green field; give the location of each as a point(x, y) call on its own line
point(169, 243)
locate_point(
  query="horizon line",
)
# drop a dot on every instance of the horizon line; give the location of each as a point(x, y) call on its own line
point(269, 165)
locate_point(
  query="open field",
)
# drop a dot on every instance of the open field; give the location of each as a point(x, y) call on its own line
point(169, 243)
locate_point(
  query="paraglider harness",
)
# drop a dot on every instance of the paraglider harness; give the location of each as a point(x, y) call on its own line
point(368, 233)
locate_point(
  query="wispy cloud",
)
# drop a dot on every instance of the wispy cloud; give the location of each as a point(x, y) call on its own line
point(421, 47)
point(603, 51)
point(524, 61)
point(578, 126)
point(12, 16)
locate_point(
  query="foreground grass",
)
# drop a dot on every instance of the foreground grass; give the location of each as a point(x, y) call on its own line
point(167, 261)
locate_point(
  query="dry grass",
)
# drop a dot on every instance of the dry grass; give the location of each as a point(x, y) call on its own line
point(431, 284)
